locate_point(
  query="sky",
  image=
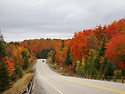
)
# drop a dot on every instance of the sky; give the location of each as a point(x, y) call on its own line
point(34, 19)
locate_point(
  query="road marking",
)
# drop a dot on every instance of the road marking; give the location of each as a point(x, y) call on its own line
point(48, 82)
point(84, 83)
point(93, 86)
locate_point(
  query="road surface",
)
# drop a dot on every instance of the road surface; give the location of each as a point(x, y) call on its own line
point(54, 83)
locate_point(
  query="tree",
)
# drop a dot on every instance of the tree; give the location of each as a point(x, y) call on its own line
point(108, 71)
point(115, 51)
point(2, 50)
point(4, 74)
point(4, 78)
point(18, 71)
point(1, 37)
point(53, 57)
point(103, 65)
point(26, 62)
point(62, 43)
point(91, 65)
point(100, 54)
point(68, 60)
point(103, 48)
point(44, 53)
point(97, 62)
point(38, 55)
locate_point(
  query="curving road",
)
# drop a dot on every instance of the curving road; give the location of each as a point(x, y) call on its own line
point(54, 83)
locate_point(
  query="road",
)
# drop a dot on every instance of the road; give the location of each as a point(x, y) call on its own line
point(54, 83)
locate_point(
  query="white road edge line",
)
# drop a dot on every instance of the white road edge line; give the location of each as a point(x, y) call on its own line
point(49, 83)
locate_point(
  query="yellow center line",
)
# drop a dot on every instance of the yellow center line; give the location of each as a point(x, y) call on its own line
point(83, 83)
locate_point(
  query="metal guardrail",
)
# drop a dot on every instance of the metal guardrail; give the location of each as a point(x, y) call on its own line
point(108, 78)
point(29, 87)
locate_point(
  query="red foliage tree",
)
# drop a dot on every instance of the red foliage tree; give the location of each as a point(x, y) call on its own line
point(115, 50)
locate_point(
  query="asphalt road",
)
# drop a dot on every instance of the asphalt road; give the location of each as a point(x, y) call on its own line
point(54, 83)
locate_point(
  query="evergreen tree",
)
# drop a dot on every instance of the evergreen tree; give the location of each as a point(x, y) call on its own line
point(103, 65)
point(108, 71)
point(2, 50)
point(18, 71)
point(102, 49)
point(4, 78)
point(53, 57)
point(26, 62)
point(62, 43)
point(97, 63)
point(68, 60)
point(101, 53)
point(91, 65)
point(74, 67)
point(38, 55)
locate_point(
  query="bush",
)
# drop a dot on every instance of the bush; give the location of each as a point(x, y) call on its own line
point(118, 74)
point(30, 70)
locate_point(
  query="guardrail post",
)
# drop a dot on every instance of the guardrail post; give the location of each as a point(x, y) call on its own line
point(122, 79)
point(91, 76)
point(108, 78)
point(98, 77)
point(114, 79)
point(103, 77)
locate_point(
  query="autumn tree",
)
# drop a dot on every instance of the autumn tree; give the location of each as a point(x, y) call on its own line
point(115, 51)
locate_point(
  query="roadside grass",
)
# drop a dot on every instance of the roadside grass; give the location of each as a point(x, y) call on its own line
point(20, 85)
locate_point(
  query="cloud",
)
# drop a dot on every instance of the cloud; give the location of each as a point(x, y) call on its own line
point(27, 19)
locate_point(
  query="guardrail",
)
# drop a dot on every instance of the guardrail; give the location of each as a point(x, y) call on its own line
point(107, 78)
point(29, 86)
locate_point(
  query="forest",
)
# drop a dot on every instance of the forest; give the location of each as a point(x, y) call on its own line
point(93, 52)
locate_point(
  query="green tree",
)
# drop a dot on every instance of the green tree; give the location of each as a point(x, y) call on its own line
point(103, 65)
point(4, 78)
point(53, 57)
point(26, 62)
point(108, 71)
point(91, 70)
point(38, 55)
point(68, 60)
point(74, 67)
point(44, 53)
point(18, 71)
point(97, 62)
point(62, 43)
point(100, 54)
point(2, 48)
point(102, 49)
